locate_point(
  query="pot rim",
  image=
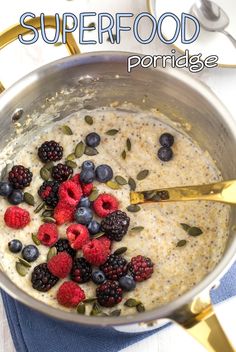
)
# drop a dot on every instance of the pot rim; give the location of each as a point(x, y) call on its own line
point(166, 310)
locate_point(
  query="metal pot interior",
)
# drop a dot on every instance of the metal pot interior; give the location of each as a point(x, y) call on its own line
point(96, 80)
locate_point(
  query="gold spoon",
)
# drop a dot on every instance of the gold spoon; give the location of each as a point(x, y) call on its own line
point(224, 192)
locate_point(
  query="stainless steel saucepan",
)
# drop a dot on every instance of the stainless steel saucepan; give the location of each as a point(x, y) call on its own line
point(99, 79)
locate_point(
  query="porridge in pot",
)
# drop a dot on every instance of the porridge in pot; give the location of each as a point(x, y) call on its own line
point(69, 236)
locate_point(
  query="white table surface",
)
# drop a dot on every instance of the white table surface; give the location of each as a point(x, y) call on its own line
point(17, 60)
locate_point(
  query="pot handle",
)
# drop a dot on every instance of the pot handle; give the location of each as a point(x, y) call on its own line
point(11, 34)
point(199, 320)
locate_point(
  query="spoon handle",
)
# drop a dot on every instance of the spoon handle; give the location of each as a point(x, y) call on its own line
point(224, 192)
point(230, 37)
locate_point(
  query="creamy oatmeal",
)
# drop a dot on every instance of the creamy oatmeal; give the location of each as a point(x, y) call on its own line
point(176, 268)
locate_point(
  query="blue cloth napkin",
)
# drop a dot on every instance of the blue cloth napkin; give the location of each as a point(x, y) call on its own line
point(34, 332)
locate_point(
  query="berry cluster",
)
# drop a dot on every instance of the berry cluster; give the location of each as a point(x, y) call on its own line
point(68, 198)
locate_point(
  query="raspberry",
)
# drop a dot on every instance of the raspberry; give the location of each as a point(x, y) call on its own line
point(63, 213)
point(42, 280)
point(109, 294)
point(115, 225)
point(70, 294)
point(20, 177)
point(77, 235)
point(70, 193)
point(48, 191)
point(95, 252)
point(47, 234)
point(50, 151)
point(81, 270)
point(141, 268)
point(105, 204)
point(115, 267)
point(61, 172)
point(16, 217)
point(62, 245)
point(105, 241)
point(60, 265)
point(86, 188)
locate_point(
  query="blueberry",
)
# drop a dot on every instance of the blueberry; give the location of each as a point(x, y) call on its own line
point(166, 140)
point(16, 197)
point(83, 215)
point(94, 227)
point(127, 283)
point(98, 277)
point(15, 246)
point(30, 253)
point(93, 139)
point(104, 173)
point(84, 202)
point(87, 176)
point(88, 165)
point(165, 154)
point(5, 189)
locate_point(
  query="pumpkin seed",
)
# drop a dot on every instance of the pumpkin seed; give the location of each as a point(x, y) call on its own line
point(35, 239)
point(47, 213)
point(92, 26)
point(137, 228)
point(98, 235)
point(133, 208)
point(29, 198)
point(79, 149)
point(131, 302)
point(81, 308)
point(128, 144)
point(112, 132)
point(90, 300)
point(88, 119)
point(96, 310)
point(123, 154)
point(121, 180)
point(24, 262)
point(140, 308)
point(67, 130)
point(132, 184)
point(49, 165)
point(195, 231)
point(45, 174)
point(142, 175)
point(181, 243)
point(114, 37)
point(120, 251)
point(58, 44)
point(90, 151)
point(186, 227)
point(71, 164)
point(51, 253)
point(39, 207)
point(21, 269)
point(112, 185)
point(71, 156)
point(115, 313)
point(49, 220)
point(93, 196)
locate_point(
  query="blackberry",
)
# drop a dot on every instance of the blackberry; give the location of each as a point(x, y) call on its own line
point(50, 151)
point(20, 177)
point(115, 267)
point(141, 268)
point(61, 172)
point(115, 225)
point(81, 270)
point(63, 245)
point(48, 191)
point(109, 294)
point(42, 280)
